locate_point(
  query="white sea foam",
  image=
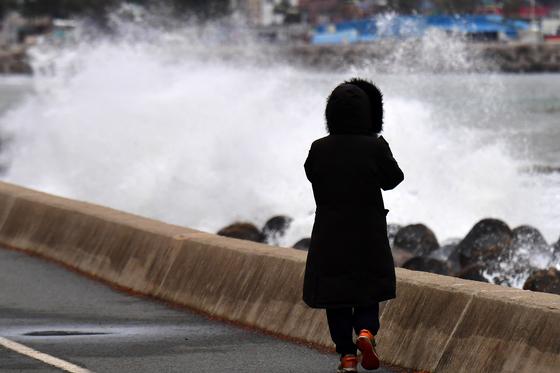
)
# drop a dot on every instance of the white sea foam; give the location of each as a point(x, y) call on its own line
point(142, 125)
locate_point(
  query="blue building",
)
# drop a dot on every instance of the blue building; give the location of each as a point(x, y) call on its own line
point(478, 27)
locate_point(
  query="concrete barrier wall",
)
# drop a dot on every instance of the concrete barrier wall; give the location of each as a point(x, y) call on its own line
point(437, 323)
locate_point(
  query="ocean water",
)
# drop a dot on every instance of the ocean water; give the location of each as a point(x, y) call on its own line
point(145, 123)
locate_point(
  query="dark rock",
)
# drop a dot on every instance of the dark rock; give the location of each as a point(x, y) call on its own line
point(505, 279)
point(401, 256)
point(275, 228)
point(527, 252)
point(555, 259)
point(302, 244)
point(425, 264)
point(449, 254)
point(392, 230)
point(417, 239)
point(528, 237)
point(472, 272)
point(556, 252)
point(485, 243)
point(453, 262)
point(243, 231)
point(544, 280)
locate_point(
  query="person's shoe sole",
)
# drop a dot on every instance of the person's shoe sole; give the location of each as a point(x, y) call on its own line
point(346, 370)
point(370, 360)
point(348, 364)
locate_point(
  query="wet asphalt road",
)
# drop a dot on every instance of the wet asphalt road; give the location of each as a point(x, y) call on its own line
point(135, 334)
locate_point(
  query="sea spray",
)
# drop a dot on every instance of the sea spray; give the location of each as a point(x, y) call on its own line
point(156, 122)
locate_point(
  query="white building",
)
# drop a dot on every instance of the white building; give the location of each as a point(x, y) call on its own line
point(261, 12)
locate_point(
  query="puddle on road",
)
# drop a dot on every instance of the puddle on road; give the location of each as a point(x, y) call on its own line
point(60, 333)
point(69, 331)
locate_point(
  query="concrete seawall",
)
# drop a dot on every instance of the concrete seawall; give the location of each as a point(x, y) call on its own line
point(437, 323)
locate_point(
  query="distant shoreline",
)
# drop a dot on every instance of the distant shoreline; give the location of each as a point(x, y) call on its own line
point(408, 56)
point(481, 57)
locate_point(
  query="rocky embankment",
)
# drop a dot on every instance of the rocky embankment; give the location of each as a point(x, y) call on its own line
point(490, 252)
point(389, 56)
point(416, 56)
point(536, 57)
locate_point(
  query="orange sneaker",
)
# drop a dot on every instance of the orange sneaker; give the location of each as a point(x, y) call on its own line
point(348, 363)
point(366, 344)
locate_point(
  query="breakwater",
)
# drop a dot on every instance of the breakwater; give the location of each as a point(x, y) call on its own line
point(437, 323)
point(425, 55)
point(520, 58)
point(387, 56)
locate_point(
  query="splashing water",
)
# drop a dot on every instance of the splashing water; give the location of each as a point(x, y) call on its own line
point(151, 126)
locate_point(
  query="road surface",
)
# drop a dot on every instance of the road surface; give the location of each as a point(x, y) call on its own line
point(58, 314)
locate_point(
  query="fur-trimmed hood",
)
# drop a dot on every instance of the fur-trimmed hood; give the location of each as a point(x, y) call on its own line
point(348, 111)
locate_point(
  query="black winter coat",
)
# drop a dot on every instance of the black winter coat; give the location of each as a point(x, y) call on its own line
point(349, 262)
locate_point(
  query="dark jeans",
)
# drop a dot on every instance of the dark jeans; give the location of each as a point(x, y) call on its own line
point(343, 320)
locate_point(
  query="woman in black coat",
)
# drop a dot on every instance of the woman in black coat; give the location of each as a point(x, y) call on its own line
point(349, 266)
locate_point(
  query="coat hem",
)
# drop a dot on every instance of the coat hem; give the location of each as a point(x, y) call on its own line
point(352, 304)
